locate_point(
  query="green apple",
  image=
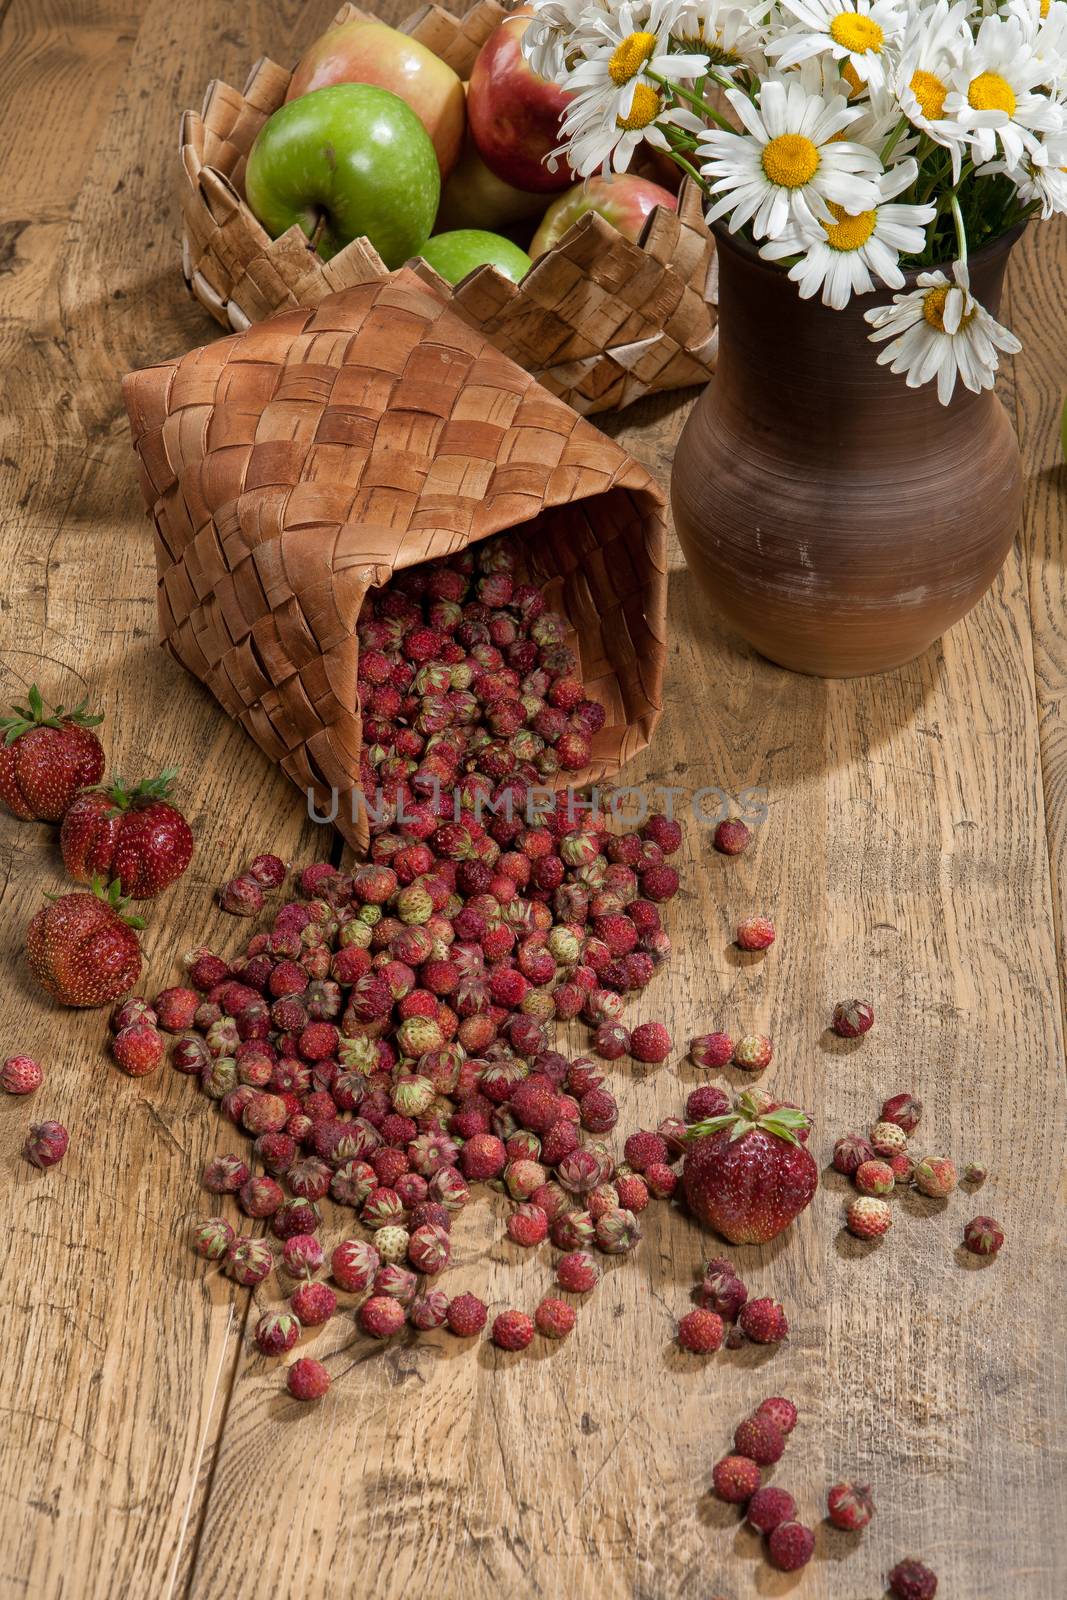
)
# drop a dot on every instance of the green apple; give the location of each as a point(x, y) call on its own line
point(343, 161)
point(455, 254)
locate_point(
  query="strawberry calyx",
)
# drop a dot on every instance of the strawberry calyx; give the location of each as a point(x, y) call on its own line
point(35, 714)
point(126, 797)
point(111, 895)
point(785, 1122)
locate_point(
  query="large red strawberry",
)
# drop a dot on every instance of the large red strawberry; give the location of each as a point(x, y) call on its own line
point(747, 1174)
point(83, 949)
point(132, 835)
point(46, 757)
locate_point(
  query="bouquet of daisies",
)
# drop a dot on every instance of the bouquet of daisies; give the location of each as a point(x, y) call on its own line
point(848, 139)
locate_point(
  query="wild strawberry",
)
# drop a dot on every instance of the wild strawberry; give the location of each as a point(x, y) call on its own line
point(732, 837)
point(642, 1149)
point(212, 1238)
point(302, 1255)
point(175, 1009)
point(724, 1293)
point(241, 896)
point(269, 871)
point(632, 1192)
point(524, 1176)
point(307, 1379)
point(225, 1174)
point(138, 1049)
point(617, 1231)
point(706, 1102)
point(975, 1174)
point(528, 1225)
point(612, 1041)
point(782, 1412)
point(747, 1175)
point(512, 1330)
point(21, 1075)
point(132, 834)
point(276, 1332)
point(736, 1479)
point(911, 1580)
point(466, 1315)
point(851, 1152)
point(664, 831)
point(711, 1050)
point(650, 1042)
point(599, 1111)
point(887, 1139)
point(868, 1218)
point(763, 1321)
point(935, 1176)
point(903, 1109)
point(852, 1018)
point(82, 948)
point(313, 1304)
point(849, 1506)
point(790, 1546)
point(983, 1236)
point(428, 1311)
point(46, 1143)
point(700, 1331)
point(753, 1052)
point(555, 1318)
point(759, 1438)
point(661, 1180)
point(577, 1272)
point(755, 933)
point(769, 1507)
point(874, 1177)
point(261, 1197)
point(248, 1261)
point(354, 1264)
point(46, 757)
point(381, 1316)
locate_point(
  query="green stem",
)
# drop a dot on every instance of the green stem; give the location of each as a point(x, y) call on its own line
point(694, 100)
point(891, 142)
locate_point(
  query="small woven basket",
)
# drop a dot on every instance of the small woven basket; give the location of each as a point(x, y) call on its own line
point(599, 321)
point(291, 467)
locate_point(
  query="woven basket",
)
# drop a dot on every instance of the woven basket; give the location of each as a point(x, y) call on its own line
point(599, 321)
point(289, 468)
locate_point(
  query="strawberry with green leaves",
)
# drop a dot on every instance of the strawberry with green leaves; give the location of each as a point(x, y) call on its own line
point(133, 835)
point(82, 948)
point(747, 1173)
point(47, 755)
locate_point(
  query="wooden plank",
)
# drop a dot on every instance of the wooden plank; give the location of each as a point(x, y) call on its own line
point(121, 1345)
point(147, 1449)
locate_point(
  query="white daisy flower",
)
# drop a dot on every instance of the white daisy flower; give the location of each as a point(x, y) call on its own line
point(1045, 25)
point(940, 331)
point(617, 101)
point(1042, 177)
point(546, 43)
point(789, 165)
point(932, 49)
point(843, 257)
point(727, 31)
point(857, 33)
point(993, 94)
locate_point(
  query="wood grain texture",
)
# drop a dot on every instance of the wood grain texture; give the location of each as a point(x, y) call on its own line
point(913, 851)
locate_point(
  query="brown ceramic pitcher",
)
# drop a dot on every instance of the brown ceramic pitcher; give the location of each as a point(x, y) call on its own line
point(839, 520)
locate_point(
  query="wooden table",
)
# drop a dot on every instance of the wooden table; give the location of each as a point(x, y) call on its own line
point(913, 852)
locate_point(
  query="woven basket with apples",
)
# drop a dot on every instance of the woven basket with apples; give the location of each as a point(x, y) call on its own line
point(321, 178)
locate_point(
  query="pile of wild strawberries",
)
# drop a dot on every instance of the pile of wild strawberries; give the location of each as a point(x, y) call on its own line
point(880, 1164)
point(386, 1043)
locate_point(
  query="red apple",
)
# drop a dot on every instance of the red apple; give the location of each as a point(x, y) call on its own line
point(623, 200)
point(515, 115)
point(474, 197)
point(370, 52)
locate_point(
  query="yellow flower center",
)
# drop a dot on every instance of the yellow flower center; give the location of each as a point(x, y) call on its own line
point(629, 57)
point(930, 93)
point(934, 307)
point(857, 34)
point(856, 86)
point(1044, 7)
point(849, 233)
point(990, 92)
point(790, 161)
point(644, 108)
